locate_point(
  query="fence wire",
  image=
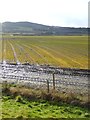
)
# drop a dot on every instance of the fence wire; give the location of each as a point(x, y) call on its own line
point(42, 77)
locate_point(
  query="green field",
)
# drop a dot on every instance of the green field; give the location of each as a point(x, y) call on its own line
point(12, 108)
point(62, 51)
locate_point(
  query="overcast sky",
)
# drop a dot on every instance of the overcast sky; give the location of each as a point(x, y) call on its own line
point(72, 13)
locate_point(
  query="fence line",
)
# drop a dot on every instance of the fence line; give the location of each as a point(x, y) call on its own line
point(48, 78)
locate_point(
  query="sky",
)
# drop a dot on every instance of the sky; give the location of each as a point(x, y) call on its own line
point(66, 13)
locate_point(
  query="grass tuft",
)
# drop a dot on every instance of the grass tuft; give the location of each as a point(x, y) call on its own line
point(19, 99)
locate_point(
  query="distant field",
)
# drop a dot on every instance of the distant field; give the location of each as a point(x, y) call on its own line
point(62, 51)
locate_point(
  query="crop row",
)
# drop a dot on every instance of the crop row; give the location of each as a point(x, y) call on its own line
point(62, 51)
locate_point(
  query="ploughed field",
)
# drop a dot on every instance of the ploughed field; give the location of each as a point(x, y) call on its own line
point(61, 51)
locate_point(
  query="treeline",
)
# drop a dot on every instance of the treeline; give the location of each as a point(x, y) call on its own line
point(28, 28)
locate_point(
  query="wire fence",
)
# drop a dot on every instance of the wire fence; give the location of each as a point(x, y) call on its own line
point(46, 77)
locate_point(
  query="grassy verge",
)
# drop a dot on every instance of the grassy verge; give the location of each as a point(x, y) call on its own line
point(21, 108)
point(21, 102)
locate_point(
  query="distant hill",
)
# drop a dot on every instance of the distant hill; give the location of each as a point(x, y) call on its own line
point(0, 27)
point(29, 28)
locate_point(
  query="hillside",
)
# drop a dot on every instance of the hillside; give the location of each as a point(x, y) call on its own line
point(39, 29)
point(0, 28)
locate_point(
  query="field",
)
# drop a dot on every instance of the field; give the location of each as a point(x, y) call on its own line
point(58, 51)
point(61, 51)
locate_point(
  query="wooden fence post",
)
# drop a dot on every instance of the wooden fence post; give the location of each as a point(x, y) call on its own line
point(48, 86)
point(53, 81)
